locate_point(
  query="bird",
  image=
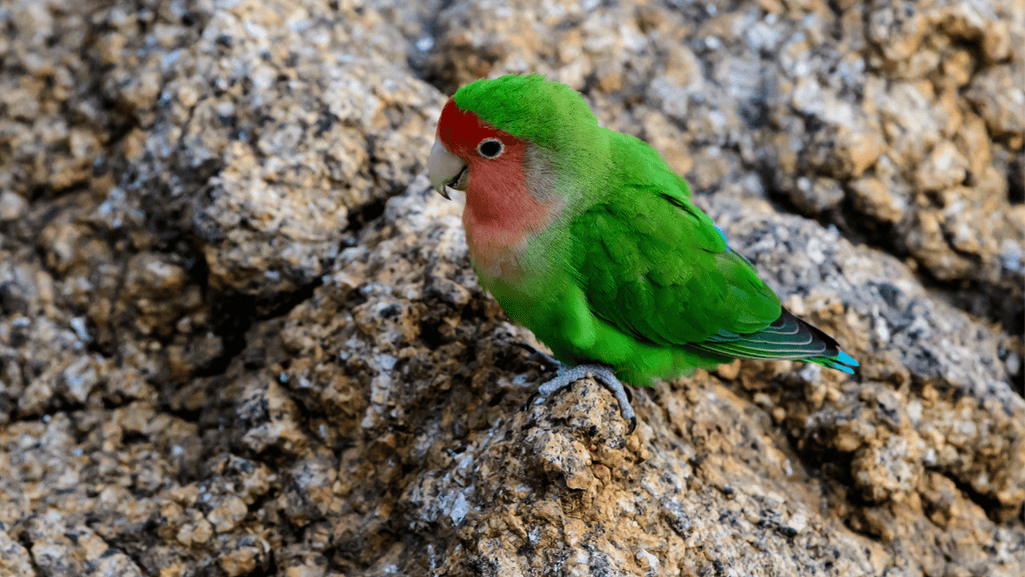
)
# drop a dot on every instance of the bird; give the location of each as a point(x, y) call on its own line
point(586, 237)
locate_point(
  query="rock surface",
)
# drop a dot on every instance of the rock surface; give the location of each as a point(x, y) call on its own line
point(239, 334)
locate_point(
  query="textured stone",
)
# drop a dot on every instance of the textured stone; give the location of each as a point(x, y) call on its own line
point(239, 333)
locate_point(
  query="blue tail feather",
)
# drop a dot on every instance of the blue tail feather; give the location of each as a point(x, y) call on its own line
point(846, 359)
point(788, 337)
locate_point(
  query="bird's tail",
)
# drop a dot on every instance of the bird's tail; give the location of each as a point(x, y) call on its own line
point(787, 338)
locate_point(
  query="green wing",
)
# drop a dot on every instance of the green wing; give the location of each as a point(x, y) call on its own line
point(656, 267)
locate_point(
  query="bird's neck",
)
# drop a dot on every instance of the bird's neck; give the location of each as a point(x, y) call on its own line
point(501, 216)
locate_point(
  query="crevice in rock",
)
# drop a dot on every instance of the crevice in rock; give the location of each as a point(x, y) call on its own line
point(990, 505)
point(360, 217)
point(283, 303)
point(782, 202)
point(26, 541)
point(1016, 180)
point(232, 316)
point(133, 553)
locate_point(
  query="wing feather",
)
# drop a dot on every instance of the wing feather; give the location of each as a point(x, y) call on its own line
point(656, 267)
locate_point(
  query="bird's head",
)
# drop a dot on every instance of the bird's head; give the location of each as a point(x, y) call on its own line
point(491, 129)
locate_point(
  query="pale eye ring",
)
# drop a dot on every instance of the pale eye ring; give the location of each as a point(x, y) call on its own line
point(490, 148)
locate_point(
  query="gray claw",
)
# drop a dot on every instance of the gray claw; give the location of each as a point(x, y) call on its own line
point(540, 357)
point(566, 376)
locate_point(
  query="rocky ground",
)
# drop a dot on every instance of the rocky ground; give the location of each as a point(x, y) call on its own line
point(239, 334)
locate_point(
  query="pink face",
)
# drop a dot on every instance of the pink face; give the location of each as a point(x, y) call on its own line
point(501, 213)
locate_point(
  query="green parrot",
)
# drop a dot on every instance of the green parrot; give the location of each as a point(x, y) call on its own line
point(586, 237)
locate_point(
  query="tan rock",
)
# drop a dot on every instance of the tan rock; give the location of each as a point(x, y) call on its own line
point(943, 168)
point(240, 334)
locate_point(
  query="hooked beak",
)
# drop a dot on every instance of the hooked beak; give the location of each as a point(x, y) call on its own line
point(445, 169)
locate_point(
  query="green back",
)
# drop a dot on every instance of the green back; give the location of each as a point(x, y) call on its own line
point(656, 267)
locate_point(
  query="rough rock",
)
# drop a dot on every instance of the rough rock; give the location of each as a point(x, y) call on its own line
point(240, 335)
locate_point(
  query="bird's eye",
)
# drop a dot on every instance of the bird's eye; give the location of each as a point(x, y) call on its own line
point(490, 148)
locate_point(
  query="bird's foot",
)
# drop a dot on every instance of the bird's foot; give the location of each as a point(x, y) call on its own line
point(566, 376)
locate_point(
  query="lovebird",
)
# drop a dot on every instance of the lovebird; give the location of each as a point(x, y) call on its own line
point(586, 236)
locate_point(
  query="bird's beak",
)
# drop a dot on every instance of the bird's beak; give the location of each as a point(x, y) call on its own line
point(445, 169)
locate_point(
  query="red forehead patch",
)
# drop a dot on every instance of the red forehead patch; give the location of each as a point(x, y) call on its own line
point(462, 130)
